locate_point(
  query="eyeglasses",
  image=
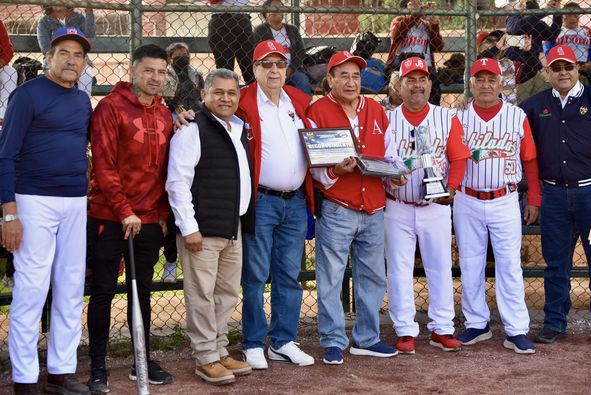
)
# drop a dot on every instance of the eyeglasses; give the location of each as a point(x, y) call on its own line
point(558, 68)
point(268, 64)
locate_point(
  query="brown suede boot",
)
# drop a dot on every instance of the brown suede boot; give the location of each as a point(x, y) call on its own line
point(239, 368)
point(65, 384)
point(215, 373)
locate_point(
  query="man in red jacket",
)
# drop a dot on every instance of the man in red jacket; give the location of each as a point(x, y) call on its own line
point(8, 75)
point(352, 216)
point(273, 113)
point(130, 132)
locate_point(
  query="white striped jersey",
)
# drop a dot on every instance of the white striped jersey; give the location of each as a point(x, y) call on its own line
point(495, 147)
point(438, 121)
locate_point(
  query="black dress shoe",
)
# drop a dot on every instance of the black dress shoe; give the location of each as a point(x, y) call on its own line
point(547, 335)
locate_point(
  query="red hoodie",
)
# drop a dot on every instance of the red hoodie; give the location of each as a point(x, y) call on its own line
point(6, 51)
point(129, 143)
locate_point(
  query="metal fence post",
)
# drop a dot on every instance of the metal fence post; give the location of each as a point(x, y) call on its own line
point(470, 41)
point(135, 25)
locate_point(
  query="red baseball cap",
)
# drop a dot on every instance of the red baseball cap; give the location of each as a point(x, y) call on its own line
point(266, 48)
point(345, 56)
point(481, 37)
point(413, 64)
point(485, 64)
point(561, 52)
point(484, 35)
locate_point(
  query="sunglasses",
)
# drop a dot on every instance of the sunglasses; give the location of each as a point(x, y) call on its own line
point(558, 68)
point(268, 64)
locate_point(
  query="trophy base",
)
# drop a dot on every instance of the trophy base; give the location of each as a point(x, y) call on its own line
point(435, 189)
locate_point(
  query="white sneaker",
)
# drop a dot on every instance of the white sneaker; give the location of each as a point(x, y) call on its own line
point(169, 272)
point(255, 357)
point(291, 352)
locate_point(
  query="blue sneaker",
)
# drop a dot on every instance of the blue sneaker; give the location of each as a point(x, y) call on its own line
point(520, 344)
point(380, 350)
point(333, 356)
point(473, 335)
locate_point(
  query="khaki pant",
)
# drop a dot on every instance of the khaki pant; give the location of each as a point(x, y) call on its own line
point(212, 285)
point(531, 87)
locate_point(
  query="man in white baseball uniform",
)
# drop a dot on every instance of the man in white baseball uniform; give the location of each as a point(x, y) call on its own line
point(409, 216)
point(500, 140)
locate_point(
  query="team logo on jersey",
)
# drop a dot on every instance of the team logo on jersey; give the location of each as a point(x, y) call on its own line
point(487, 146)
point(376, 128)
point(545, 113)
point(583, 110)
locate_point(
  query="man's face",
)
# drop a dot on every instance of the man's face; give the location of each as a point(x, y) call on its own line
point(222, 98)
point(346, 82)
point(67, 62)
point(571, 21)
point(270, 72)
point(275, 18)
point(486, 87)
point(563, 75)
point(148, 75)
point(177, 53)
point(487, 43)
point(415, 89)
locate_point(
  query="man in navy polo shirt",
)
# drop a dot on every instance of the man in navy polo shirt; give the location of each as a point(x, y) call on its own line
point(43, 192)
point(560, 120)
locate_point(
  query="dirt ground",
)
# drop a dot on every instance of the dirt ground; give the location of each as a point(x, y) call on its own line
point(485, 368)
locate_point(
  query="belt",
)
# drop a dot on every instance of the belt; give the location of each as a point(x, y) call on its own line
point(282, 194)
point(569, 184)
point(391, 197)
point(490, 195)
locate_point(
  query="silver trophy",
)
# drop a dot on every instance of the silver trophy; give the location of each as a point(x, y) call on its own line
point(434, 187)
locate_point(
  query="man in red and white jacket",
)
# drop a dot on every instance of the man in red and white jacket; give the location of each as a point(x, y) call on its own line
point(501, 142)
point(352, 216)
point(273, 113)
point(410, 217)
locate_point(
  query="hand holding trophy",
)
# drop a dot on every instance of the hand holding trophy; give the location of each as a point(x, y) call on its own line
point(433, 182)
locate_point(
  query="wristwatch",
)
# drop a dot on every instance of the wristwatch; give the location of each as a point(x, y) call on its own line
point(9, 217)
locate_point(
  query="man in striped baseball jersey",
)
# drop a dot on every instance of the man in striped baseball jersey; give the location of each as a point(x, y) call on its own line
point(501, 142)
point(409, 216)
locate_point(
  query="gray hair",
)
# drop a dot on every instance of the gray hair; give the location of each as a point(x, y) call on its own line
point(172, 47)
point(220, 73)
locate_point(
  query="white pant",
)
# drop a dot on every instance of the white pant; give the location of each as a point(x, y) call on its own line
point(8, 78)
point(53, 250)
point(431, 225)
point(473, 221)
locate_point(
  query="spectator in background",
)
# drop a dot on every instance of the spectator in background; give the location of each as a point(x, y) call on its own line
point(60, 16)
point(416, 35)
point(8, 75)
point(288, 36)
point(190, 80)
point(394, 99)
point(528, 76)
point(230, 37)
point(577, 37)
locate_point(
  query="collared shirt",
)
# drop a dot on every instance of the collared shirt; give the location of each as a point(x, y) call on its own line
point(185, 153)
point(283, 166)
point(574, 92)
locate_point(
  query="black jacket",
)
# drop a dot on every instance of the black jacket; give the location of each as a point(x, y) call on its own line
point(263, 32)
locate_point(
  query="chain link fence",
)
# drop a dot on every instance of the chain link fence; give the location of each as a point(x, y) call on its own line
point(456, 33)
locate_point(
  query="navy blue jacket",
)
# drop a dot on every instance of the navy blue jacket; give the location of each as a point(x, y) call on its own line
point(562, 136)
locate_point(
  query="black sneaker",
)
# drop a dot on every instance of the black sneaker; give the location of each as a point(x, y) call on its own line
point(547, 335)
point(98, 382)
point(156, 375)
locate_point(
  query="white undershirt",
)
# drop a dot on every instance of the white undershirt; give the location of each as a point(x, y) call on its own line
point(281, 37)
point(575, 91)
point(185, 153)
point(283, 165)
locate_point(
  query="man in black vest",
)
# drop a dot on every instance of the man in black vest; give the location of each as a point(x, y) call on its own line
point(209, 188)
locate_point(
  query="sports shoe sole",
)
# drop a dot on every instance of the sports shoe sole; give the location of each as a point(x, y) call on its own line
point(216, 380)
point(339, 362)
point(479, 338)
point(439, 345)
point(153, 382)
point(275, 356)
point(369, 353)
point(513, 346)
point(100, 390)
point(412, 352)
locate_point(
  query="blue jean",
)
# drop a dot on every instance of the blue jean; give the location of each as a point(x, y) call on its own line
point(338, 230)
point(566, 213)
point(275, 249)
point(300, 80)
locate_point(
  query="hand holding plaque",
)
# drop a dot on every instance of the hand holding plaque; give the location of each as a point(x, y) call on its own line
point(432, 181)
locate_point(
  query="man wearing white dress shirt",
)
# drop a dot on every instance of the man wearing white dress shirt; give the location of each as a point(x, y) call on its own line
point(274, 113)
point(209, 189)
